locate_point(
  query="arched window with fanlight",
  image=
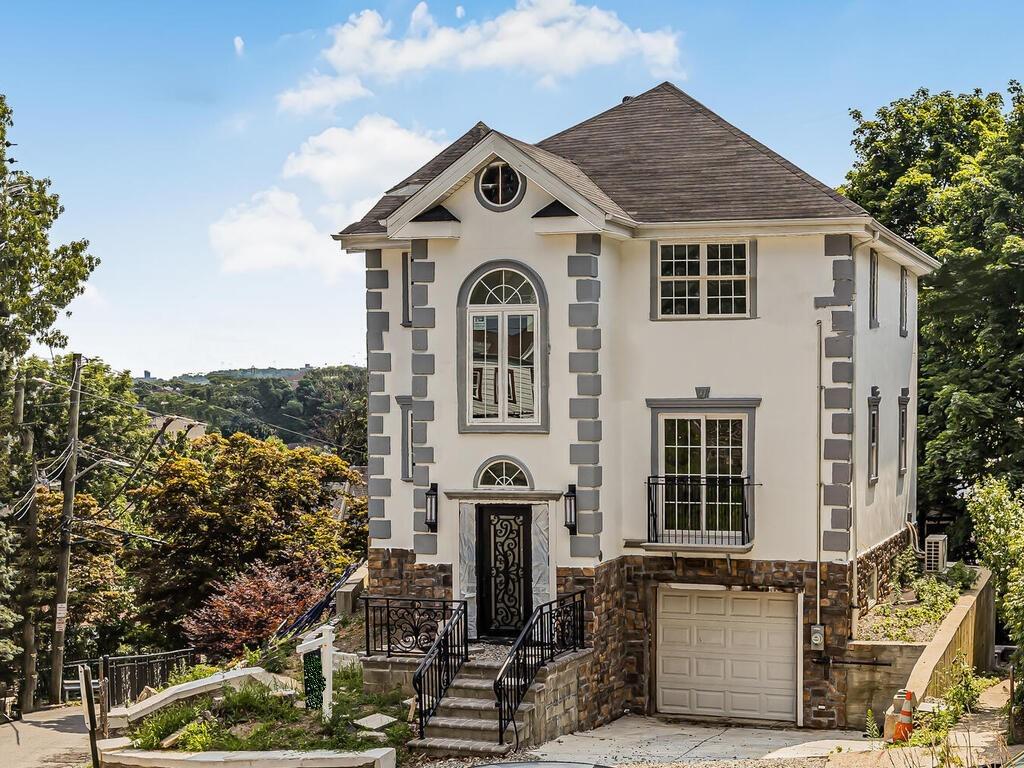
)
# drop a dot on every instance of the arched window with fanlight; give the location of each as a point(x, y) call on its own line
point(503, 472)
point(504, 350)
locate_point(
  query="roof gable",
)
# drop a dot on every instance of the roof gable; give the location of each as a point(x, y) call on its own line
point(664, 157)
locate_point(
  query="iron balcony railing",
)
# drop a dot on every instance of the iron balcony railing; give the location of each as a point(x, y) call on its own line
point(698, 510)
point(442, 663)
point(554, 628)
point(405, 626)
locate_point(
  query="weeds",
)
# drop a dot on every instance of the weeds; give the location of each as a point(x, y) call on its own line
point(901, 622)
point(188, 674)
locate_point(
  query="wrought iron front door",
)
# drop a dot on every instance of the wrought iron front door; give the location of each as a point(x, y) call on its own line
point(505, 596)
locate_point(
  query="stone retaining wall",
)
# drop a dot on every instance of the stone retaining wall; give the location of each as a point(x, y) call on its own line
point(921, 667)
point(883, 557)
point(395, 573)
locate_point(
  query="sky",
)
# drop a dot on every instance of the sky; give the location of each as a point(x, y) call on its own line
point(208, 150)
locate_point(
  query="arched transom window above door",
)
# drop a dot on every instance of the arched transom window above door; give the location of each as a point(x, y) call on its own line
point(503, 350)
point(503, 472)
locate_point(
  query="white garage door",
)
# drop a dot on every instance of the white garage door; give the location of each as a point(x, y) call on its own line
point(727, 653)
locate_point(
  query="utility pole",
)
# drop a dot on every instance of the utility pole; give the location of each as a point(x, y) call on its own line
point(60, 606)
point(27, 694)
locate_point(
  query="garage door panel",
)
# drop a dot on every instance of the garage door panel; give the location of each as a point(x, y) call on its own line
point(710, 605)
point(727, 654)
point(711, 638)
point(710, 669)
point(745, 670)
point(677, 665)
point(676, 604)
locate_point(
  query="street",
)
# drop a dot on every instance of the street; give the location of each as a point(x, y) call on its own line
point(53, 738)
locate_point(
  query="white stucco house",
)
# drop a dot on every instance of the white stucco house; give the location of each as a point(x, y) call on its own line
point(651, 359)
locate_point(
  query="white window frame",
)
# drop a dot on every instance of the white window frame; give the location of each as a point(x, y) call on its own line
point(503, 311)
point(704, 417)
point(702, 278)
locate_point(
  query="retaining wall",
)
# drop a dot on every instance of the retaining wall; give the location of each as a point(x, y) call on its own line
point(921, 667)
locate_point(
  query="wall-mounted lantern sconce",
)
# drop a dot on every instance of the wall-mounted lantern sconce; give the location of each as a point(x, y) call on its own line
point(570, 508)
point(431, 514)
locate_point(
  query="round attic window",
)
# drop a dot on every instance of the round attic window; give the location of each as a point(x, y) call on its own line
point(499, 186)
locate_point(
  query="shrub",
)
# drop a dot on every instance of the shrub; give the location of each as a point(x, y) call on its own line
point(871, 726)
point(198, 736)
point(959, 576)
point(166, 721)
point(997, 514)
point(244, 610)
point(188, 674)
point(905, 567)
point(898, 622)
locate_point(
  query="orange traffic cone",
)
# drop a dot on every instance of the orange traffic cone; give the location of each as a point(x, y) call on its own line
point(905, 725)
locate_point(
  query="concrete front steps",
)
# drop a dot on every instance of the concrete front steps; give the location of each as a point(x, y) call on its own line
point(466, 721)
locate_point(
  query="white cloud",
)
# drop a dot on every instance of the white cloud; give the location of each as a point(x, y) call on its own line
point(318, 91)
point(548, 39)
point(270, 231)
point(351, 168)
point(460, 12)
point(239, 46)
point(362, 161)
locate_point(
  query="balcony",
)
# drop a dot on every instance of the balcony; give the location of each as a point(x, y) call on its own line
point(692, 511)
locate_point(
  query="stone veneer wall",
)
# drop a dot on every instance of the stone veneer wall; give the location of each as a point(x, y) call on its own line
point(883, 556)
point(620, 613)
point(395, 573)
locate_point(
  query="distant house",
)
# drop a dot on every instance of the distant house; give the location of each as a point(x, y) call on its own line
point(193, 429)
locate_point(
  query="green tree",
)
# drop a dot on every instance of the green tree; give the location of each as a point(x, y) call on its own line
point(222, 504)
point(37, 278)
point(946, 172)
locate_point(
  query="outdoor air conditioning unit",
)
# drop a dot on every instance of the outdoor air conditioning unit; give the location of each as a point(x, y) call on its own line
point(935, 553)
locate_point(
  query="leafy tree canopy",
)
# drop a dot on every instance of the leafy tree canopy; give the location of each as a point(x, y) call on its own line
point(326, 407)
point(224, 503)
point(946, 171)
point(37, 279)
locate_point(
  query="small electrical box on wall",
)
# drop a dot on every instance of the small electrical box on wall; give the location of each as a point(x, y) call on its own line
point(817, 637)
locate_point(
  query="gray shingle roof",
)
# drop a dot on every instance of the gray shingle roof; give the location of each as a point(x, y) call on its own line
point(659, 157)
point(665, 157)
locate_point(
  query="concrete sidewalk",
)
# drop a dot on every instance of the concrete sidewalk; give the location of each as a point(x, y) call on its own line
point(52, 738)
point(634, 739)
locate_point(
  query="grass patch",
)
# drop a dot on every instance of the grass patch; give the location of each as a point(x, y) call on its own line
point(253, 718)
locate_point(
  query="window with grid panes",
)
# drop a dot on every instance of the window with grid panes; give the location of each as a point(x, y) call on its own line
point(703, 280)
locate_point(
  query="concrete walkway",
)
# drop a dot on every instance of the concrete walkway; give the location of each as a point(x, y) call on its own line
point(52, 738)
point(634, 739)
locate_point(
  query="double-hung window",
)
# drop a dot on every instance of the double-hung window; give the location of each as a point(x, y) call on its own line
point(503, 316)
point(703, 280)
point(703, 460)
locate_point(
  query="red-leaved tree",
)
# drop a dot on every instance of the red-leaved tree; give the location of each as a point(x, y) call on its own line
point(244, 610)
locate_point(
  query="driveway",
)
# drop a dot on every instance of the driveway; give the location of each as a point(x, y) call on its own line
point(635, 739)
point(52, 738)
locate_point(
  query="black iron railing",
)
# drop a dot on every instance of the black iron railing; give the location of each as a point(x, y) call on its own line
point(554, 628)
point(125, 676)
point(442, 663)
point(405, 626)
point(690, 509)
